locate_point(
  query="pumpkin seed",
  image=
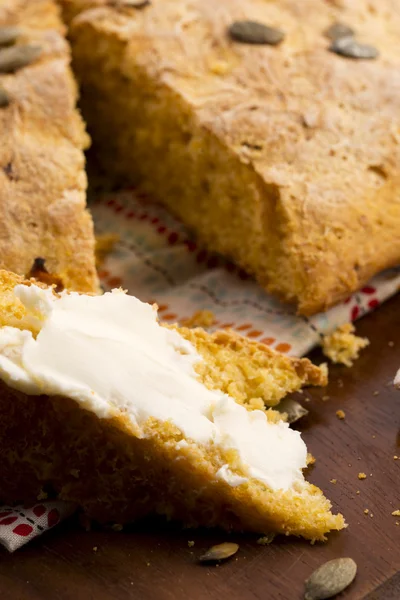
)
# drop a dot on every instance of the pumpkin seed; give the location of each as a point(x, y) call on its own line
point(252, 32)
point(220, 552)
point(15, 58)
point(4, 98)
point(330, 579)
point(130, 3)
point(347, 46)
point(338, 30)
point(9, 35)
point(294, 410)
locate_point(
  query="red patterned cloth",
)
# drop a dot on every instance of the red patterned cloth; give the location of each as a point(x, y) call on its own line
point(20, 524)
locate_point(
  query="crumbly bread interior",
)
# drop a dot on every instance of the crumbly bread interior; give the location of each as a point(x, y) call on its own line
point(286, 175)
point(250, 372)
point(117, 471)
point(12, 312)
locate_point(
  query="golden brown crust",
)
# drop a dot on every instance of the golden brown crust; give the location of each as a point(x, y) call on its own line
point(42, 177)
point(285, 158)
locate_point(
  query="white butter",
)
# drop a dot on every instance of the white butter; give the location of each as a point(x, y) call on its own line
point(109, 354)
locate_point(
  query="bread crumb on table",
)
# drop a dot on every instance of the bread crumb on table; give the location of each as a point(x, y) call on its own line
point(105, 244)
point(340, 414)
point(333, 480)
point(201, 318)
point(362, 476)
point(343, 346)
point(366, 511)
point(396, 513)
point(311, 460)
point(266, 539)
point(190, 543)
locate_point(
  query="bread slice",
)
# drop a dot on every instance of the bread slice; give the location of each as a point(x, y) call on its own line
point(102, 406)
point(285, 158)
point(42, 137)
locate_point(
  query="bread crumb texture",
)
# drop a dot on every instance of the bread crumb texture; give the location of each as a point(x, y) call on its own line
point(343, 346)
point(252, 373)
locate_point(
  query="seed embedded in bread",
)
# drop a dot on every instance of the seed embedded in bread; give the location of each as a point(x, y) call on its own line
point(17, 57)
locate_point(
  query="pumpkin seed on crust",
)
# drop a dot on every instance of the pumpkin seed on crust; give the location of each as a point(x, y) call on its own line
point(338, 30)
point(130, 3)
point(252, 32)
point(16, 57)
point(349, 47)
point(9, 35)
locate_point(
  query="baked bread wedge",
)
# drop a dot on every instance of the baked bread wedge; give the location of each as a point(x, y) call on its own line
point(42, 138)
point(283, 157)
point(102, 406)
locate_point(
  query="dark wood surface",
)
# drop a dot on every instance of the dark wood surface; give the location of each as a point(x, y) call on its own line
point(153, 561)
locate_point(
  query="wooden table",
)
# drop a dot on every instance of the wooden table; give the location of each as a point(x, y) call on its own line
point(154, 562)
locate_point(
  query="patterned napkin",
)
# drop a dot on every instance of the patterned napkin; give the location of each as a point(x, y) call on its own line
point(156, 260)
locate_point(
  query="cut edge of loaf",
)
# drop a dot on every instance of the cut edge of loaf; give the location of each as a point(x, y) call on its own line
point(252, 221)
point(251, 211)
point(120, 472)
point(116, 474)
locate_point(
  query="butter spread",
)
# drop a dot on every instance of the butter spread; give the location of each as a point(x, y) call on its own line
point(110, 355)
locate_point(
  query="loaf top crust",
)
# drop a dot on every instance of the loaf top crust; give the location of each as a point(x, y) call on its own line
point(42, 177)
point(321, 130)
